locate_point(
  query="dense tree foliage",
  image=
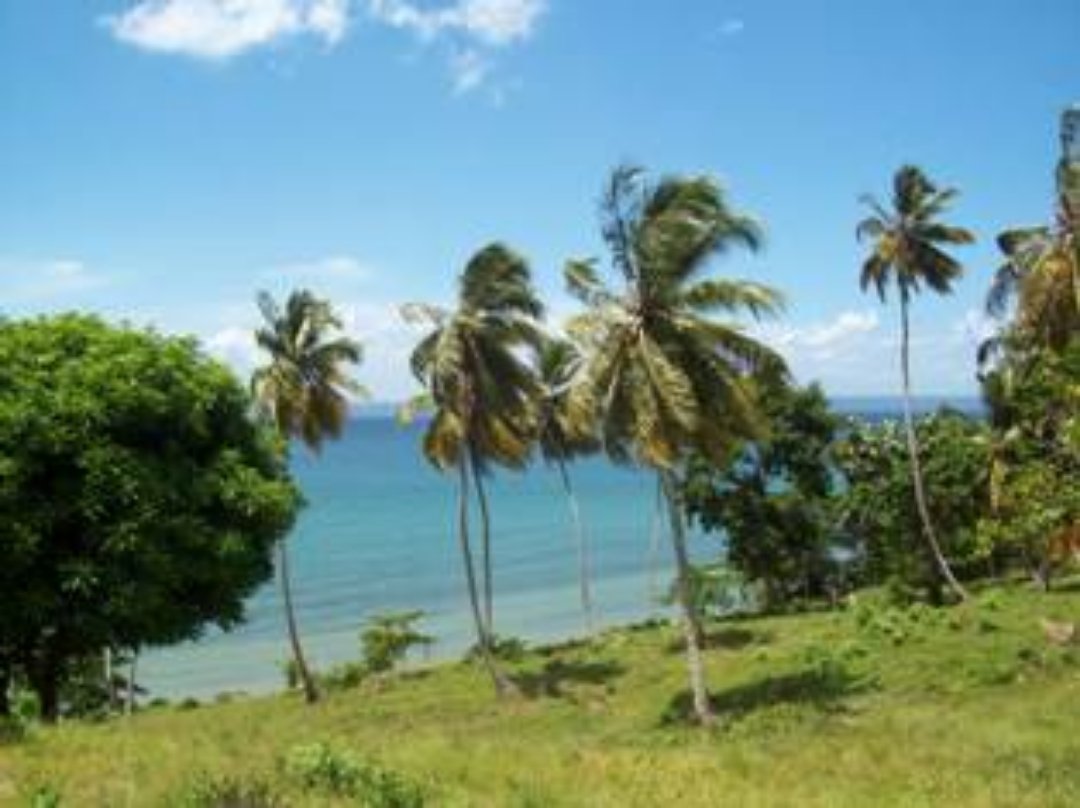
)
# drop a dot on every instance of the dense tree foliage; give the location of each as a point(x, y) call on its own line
point(1034, 397)
point(772, 500)
point(138, 500)
point(880, 517)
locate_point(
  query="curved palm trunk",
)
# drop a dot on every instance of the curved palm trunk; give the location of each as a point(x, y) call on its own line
point(488, 583)
point(692, 628)
point(483, 630)
point(584, 568)
point(916, 465)
point(311, 692)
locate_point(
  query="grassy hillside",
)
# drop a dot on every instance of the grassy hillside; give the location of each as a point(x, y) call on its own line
point(869, 706)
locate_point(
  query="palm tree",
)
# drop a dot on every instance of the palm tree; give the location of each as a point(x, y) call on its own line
point(304, 391)
point(483, 394)
point(662, 376)
point(561, 439)
point(1041, 271)
point(908, 250)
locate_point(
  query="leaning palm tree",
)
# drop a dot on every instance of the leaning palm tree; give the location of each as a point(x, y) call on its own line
point(909, 251)
point(662, 376)
point(561, 439)
point(304, 391)
point(483, 395)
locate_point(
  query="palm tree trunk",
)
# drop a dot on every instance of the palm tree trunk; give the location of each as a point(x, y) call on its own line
point(584, 572)
point(311, 693)
point(483, 631)
point(692, 629)
point(488, 583)
point(916, 465)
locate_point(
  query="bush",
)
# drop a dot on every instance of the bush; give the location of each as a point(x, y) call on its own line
point(321, 768)
point(508, 649)
point(388, 637)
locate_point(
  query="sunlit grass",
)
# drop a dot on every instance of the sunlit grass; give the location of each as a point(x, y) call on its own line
point(967, 706)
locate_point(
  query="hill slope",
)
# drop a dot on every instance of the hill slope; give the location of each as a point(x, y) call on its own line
point(869, 706)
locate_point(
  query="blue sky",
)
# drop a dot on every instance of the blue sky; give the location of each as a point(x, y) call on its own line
point(160, 161)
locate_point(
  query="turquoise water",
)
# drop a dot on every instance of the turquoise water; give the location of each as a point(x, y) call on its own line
point(378, 535)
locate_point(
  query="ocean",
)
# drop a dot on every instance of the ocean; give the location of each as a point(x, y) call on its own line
point(378, 535)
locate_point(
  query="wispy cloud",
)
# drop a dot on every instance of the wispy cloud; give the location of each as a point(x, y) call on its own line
point(220, 29)
point(468, 69)
point(331, 269)
point(493, 22)
point(822, 340)
point(23, 282)
point(476, 29)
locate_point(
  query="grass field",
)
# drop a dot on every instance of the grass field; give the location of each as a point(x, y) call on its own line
point(869, 706)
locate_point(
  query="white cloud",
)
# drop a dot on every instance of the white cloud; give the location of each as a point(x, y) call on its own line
point(822, 340)
point(493, 22)
point(220, 29)
point(39, 281)
point(235, 346)
point(475, 27)
point(334, 268)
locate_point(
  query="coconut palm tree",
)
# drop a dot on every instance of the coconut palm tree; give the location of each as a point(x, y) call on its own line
point(304, 391)
point(908, 250)
point(661, 375)
point(560, 440)
point(483, 394)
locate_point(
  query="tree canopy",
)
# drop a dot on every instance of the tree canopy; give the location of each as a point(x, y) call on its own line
point(139, 502)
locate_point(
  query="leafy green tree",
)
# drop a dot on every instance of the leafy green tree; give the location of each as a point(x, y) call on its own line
point(772, 499)
point(138, 500)
point(389, 637)
point(303, 390)
point(561, 438)
point(874, 459)
point(484, 396)
point(662, 376)
point(909, 251)
point(1034, 400)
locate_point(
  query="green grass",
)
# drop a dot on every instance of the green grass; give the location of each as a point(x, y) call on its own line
point(866, 707)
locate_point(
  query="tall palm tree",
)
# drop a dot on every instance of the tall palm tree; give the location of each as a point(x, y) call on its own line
point(909, 251)
point(560, 439)
point(662, 375)
point(304, 390)
point(483, 394)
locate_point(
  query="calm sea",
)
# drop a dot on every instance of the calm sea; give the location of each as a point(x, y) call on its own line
point(378, 535)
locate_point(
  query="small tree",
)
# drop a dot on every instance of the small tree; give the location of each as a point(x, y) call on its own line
point(880, 519)
point(772, 500)
point(138, 500)
point(388, 638)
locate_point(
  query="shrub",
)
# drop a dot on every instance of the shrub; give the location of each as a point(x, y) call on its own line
point(388, 637)
point(321, 768)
